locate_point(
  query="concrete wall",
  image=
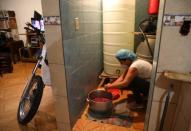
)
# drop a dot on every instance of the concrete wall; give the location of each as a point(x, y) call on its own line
point(172, 52)
point(82, 50)
point(24, 10)
point(53, 35)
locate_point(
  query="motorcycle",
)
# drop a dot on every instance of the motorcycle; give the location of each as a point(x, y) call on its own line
point(33, 91)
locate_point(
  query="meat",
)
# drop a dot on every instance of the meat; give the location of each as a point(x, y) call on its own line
point(99, 99)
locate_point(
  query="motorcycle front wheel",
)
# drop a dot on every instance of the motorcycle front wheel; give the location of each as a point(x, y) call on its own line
point(30, 101)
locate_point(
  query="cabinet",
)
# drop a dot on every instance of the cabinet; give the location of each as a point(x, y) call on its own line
point(29, 54)
point(32, 39)
point(8, 24)
point(32, 49)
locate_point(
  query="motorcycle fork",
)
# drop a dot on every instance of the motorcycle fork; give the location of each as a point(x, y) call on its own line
point(37, 65)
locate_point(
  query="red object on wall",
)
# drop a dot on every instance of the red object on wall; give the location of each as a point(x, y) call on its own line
point(153, 7)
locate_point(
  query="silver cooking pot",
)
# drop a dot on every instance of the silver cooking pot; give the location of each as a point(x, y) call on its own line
point(100, 107)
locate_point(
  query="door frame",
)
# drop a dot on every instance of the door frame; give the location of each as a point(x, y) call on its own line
point(155, 62)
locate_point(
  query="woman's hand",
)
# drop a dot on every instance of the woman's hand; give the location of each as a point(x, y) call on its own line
point(106, 86)
point(109, 85)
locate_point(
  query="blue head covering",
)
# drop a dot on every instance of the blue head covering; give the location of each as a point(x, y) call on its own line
point(123, 54)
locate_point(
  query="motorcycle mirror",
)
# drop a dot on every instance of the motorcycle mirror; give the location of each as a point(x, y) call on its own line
point(37, 16)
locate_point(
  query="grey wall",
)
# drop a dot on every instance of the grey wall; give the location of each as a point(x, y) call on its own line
point(141, 12)
point(82, 50)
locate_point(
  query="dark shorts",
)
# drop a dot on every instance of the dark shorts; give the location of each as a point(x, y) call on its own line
point(140, 89)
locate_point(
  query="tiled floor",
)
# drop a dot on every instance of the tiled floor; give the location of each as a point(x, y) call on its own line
point(11, 87)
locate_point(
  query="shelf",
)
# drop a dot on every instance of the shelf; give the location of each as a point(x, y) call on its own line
point(185, 77)
point(32, 34)
point(3, 18)
point(8, 30)
point(31, 51)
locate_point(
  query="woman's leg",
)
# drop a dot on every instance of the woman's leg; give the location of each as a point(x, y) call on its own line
point(139, 87)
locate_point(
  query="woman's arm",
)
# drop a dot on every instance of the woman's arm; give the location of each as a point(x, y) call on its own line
point(118, 79)
point(121, 77)
point(130, 75)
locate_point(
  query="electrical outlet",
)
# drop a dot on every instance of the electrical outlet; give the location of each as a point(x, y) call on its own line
point(77, 23)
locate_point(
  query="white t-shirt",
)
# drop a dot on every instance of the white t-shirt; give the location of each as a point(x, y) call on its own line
point(144, 68)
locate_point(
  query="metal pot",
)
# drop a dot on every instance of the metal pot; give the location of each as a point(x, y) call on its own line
point(100, 107)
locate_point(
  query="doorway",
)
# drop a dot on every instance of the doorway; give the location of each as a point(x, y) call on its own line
point(87, 38)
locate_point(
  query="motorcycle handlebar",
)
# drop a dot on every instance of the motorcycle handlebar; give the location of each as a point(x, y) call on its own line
point(35, 29)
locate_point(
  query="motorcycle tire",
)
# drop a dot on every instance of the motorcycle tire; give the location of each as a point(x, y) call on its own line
point(33, 97)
